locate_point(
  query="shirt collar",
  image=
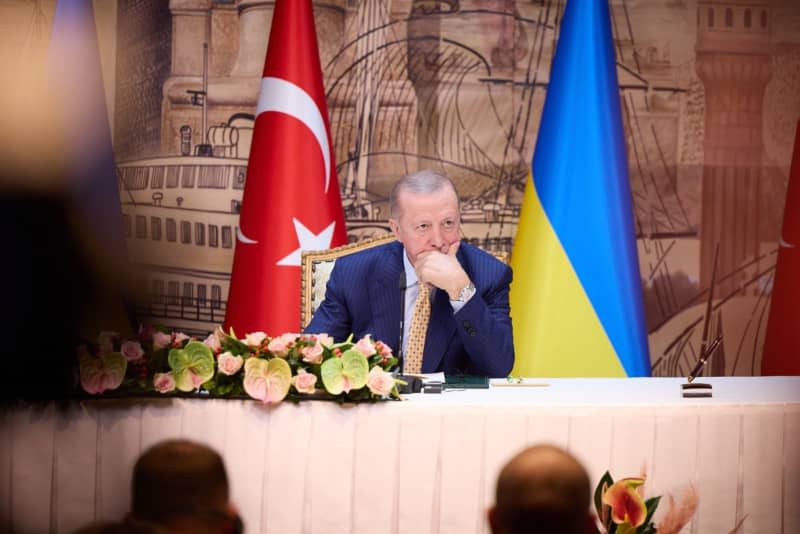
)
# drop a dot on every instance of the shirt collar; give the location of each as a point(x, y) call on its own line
point(411, 274)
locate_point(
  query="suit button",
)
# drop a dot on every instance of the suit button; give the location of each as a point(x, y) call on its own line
point(467, 325)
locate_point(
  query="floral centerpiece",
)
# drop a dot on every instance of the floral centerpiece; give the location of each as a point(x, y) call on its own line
point(296, 366)
point(622, 508)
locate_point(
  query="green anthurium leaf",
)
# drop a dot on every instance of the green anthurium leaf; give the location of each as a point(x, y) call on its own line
point(356, 368)
point(598, 492)
point(191, 366)
point(346, 373)
point(332, 378)
point(267, 380)
point(651, 504)
point(103, 373)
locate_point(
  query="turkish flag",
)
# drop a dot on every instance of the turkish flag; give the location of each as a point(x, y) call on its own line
point(781, 354)
point(291, 198)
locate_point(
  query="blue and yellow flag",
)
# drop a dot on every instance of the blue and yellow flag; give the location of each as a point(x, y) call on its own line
point(576, 299)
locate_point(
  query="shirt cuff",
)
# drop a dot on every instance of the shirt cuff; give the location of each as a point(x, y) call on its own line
point(458, 304)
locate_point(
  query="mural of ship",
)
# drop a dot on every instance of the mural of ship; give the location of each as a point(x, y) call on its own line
point(180, 216)
point(459, 85)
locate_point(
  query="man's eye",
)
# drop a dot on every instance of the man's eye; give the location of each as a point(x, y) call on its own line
point(423, 227)
point(448, 224)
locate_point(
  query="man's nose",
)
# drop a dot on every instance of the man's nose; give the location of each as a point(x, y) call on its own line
point(437, 238)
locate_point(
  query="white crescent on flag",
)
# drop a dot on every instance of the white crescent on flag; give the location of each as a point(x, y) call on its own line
point(285, 97)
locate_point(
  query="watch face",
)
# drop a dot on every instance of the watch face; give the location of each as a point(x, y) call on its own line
point(466, 292)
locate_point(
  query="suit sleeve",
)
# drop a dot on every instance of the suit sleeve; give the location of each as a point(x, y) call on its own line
point(333, 316)
point(484, 327)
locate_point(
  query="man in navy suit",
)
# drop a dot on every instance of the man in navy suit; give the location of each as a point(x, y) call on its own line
point(374, 291)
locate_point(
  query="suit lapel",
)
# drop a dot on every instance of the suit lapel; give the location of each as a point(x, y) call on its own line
point(384, 295)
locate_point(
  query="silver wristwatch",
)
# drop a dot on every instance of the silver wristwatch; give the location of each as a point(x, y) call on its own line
point(466, 293)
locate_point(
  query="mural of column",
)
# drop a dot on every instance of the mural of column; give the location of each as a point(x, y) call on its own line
point(190, 21)
point(144, 33)
point(424, 35)
point(733, 62)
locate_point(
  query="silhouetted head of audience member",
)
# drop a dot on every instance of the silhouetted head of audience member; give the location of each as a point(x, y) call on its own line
point(542, 489)
point(183, 486)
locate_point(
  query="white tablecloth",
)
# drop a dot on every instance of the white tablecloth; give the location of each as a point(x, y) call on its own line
point(427, 465)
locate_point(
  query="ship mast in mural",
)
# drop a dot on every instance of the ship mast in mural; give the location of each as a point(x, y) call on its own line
point(459, 86)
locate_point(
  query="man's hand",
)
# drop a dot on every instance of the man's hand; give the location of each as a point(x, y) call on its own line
point(442, 270)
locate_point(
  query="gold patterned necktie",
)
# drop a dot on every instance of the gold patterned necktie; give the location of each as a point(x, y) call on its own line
point(416, 334)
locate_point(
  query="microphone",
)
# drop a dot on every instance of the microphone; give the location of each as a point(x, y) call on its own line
point(413, 383)
point(402, 286)
point(691, 388)
point(703, 358)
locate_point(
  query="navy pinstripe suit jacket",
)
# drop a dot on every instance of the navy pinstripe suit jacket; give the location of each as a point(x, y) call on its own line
point(363, 297)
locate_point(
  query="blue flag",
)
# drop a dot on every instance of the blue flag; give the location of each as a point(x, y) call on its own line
point(576, 299)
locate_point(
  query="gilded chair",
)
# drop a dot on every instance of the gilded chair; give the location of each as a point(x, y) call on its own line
point(316, 267)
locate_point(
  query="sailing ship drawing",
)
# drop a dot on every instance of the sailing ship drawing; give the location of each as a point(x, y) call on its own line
point(459, 85)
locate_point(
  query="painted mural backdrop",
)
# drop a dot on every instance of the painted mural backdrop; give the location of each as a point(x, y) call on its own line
point(710, 91)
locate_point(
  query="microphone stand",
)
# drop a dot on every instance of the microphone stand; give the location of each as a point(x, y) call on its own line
point(698, 389)
point(402, 286)
point(413, 383)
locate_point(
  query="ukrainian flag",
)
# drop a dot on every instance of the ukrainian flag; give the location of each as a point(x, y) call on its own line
point(576, 299)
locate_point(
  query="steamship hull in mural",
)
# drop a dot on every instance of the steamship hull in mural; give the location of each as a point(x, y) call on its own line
point(180, 216)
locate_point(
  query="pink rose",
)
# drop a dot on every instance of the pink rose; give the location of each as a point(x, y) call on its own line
point(383, 349)
point(324, 339)
point(379, 381)
point(280, 345)
point(312, 353)
point(178, 339)
point(164, 382)
point(255, 339)
point(132, 350)
point(229, 364)
point(161, 340)
point(365, 346)
point(304, 382)
point(212, 342)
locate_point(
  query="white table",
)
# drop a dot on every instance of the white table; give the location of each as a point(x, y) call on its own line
point(424, 465)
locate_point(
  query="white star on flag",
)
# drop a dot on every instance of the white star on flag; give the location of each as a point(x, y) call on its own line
point(308, 241)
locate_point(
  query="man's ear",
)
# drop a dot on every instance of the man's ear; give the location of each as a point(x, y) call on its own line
point(395, 227)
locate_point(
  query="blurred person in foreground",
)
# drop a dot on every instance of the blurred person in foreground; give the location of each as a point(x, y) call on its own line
point(178, 486)
point(468, 326)
point(542, 489)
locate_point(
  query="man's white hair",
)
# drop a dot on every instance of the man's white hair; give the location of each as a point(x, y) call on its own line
point(420, 182)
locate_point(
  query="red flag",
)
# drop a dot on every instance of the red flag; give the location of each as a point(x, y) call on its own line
point(291, 199)
point(781, 354)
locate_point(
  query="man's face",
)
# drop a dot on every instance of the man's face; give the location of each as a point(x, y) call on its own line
point(426, 221)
